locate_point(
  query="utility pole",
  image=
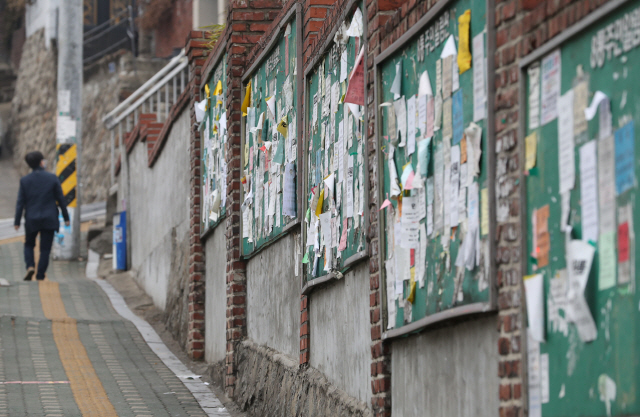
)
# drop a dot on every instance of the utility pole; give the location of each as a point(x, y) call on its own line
point(69, 122)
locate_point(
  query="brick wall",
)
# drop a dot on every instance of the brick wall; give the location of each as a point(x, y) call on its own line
point(196, 52)
point(178, 23)
point(247, 21)
point(522, 26)
point(377, 13)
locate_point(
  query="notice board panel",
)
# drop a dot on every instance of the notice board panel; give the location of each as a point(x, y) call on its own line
point(581, 134)
point(435, 171)
point(271, 134)
point(213, 184)
point(336, 174)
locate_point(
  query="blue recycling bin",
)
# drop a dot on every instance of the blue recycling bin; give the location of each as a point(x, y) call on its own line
point(120, 241)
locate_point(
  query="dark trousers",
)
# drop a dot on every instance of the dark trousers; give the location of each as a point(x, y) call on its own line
point(46, 240)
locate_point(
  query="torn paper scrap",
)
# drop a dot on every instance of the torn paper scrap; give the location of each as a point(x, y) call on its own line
point(534, 292)
point(356, 27)
point(590, 112)
point(397, 81)
point(579, 261)
point(424, 87)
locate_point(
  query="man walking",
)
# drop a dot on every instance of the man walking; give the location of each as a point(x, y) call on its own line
point(39, 192)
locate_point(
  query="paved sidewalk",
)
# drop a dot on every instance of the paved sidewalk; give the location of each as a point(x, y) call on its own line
point(65, 351)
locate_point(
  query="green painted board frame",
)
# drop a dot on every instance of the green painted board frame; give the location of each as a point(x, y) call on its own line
point(214, 111)
point(575, 367)
point(436, 301)
point(273, 58)
point(328, 62)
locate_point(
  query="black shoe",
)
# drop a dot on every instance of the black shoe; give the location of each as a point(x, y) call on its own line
point(29, 275)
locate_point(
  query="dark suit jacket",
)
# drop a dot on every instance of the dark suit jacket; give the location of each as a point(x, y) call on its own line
point(39, 192)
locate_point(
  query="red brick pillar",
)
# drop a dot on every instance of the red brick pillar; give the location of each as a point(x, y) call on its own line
point(378, 12)
point(247, 21)
point(196, 53)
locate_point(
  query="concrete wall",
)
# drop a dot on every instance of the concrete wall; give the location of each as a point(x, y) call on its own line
point(215, 339)
point(273, 297)
point(447, 372)
point(340, 333)
point(158, 209)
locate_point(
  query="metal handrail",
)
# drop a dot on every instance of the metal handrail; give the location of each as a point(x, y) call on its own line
point(147, 89)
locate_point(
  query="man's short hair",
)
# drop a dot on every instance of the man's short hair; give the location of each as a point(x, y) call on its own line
point(33, 159)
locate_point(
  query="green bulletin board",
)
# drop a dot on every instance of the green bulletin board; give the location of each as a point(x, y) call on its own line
point(270, 159)
point(213, 185)
point(335, 134)
point(435, 210)
point(584, 337)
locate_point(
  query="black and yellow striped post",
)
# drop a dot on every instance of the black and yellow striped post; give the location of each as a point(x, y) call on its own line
point(66, 154)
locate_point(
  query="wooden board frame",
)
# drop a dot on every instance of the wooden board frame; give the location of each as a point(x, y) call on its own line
point(294, 13)
point(469, 309)
point(309, 286)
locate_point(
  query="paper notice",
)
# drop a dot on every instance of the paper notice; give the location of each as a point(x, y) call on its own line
point(580, 257)
point(534, 292)
point(437, 115)
point(533, 359)
point(531, 150)
point(473, 134)
point(604, 122)
point(534, 97)
point(424, 86)
point(422, 116)
point(606, 185)
point(411, 125)
point(438, 163)
point(479, 77)
point(325, 228)
point(335, 97)
point(343, 66)
point(391, 298)
point(424, 156)
point(393, 179)
point(400, 108)
point(341, 151)
point(65, 129)
point(430, 116)
point(589, 191)
point(580, 103)
point(410, 223)
point(421, 262)
point(397, 81)
point(355, 89)
point(543, 243)
point(349, 185)
point(484, 211)
point(446, 193)
point(551, 88)
point(626, 243)
point(289, 192)
point(343, 238)
point(64, 101)
point(447, 131)
point(446, 77)
point(625, 156)
point(454, 185)
point(457, 117)
point(607, 260)
point(566, 152)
